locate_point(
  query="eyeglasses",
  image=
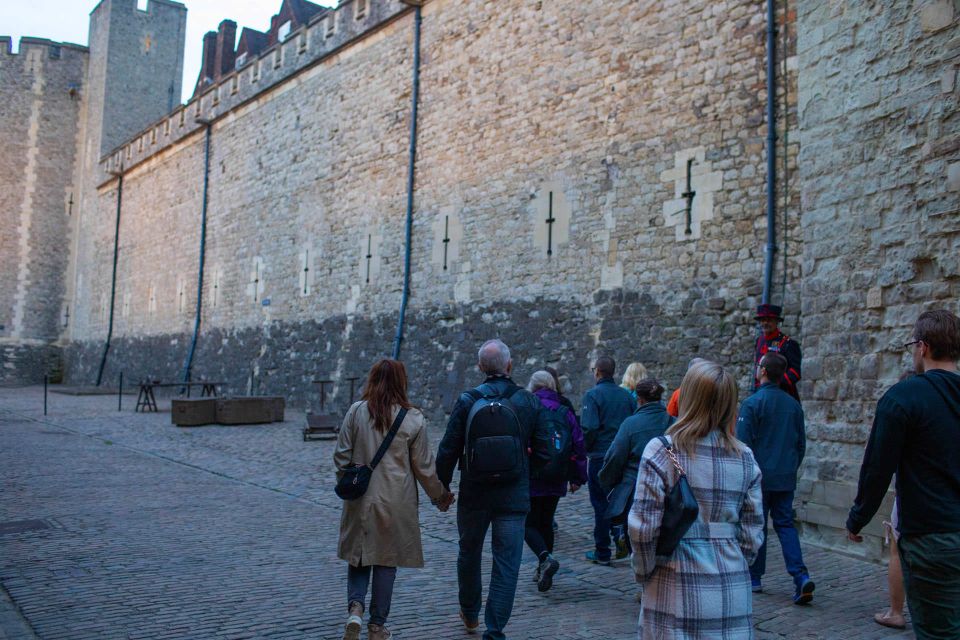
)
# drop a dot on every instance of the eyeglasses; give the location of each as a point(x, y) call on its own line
point(910, 344)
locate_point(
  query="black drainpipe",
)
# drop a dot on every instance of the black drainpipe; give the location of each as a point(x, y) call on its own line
point(771, 247)
point(188, 363)
point(113, 278)
point(417, 19)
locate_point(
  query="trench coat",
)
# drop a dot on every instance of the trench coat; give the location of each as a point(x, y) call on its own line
point(703, 589)
point(383, 526)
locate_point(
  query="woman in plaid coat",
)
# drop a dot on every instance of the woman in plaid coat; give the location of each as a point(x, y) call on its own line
point(703, 589)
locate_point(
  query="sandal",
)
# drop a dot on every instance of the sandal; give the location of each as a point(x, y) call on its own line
point(887, 619)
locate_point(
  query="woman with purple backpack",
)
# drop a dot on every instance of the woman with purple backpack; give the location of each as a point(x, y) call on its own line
point(568, 467)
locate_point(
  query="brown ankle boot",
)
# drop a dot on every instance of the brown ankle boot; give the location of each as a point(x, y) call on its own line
point(351, 630)
point(378, 632)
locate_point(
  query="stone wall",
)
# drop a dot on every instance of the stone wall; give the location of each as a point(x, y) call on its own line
point(586, 111)
point(38, 124)
point(880, 176)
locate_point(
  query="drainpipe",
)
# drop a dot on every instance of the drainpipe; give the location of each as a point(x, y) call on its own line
point(188, 363)
point(417, 20)
point(771, 247)
point(113, 278)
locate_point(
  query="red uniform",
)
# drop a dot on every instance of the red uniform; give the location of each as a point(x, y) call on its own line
point(780, 343)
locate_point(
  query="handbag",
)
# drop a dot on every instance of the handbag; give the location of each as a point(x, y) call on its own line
point(680, 508)
point(355, 478)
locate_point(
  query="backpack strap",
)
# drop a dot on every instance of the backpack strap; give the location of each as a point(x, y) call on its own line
point(390, 436)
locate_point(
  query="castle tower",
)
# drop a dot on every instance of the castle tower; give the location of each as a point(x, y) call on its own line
point(136, 69)
point(39, 125)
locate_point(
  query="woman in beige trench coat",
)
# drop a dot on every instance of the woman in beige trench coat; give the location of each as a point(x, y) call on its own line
point(381, 530)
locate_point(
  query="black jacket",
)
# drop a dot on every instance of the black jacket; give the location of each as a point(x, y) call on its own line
point(916, 433)
point(622, 462)
point(509, 497)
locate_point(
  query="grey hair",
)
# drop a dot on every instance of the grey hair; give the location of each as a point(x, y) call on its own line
point(541, 380)
point(494, 356)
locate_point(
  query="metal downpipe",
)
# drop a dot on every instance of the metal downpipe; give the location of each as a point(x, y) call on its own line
point(113, 278)
point(770, 249)
point(188, 363)
point(417, 20)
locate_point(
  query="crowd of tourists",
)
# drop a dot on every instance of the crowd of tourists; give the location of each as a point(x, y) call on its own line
point(685, 489)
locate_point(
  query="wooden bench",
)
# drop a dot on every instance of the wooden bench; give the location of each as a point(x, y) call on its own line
point(321, 426)
point(146, 401)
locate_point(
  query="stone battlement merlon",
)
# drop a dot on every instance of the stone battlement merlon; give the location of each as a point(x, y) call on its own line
point(27, 42)
point(325, 35)
point(133, 5)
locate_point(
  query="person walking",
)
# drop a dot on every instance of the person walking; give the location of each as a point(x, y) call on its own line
point(916, 433)
point(771, 424)
point(605, 406)
point(634, 373)
point(490, 431)
point(380, 531)
point(703, 589)
point(618, 475)
point(568, 466)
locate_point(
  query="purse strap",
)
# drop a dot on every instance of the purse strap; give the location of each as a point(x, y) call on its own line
point(672, 455)
point(386, 441)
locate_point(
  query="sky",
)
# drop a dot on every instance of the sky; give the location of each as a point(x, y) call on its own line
point(67, 21)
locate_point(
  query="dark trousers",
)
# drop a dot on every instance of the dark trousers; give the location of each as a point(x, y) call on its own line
point(506, 543)
point(538, 531)
point(598, 499)
point(931, 576)
point(778, 506)
point(358, 580)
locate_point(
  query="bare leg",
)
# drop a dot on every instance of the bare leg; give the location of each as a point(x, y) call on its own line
point(895, 580)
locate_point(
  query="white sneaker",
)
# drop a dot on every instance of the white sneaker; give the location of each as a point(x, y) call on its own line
point(351, 630)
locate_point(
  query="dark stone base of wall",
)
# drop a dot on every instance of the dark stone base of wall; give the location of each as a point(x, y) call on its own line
point(439, 350)
point(28, 363)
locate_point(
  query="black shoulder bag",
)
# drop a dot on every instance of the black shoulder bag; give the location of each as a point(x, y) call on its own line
point(355, 479)
point(680, 508)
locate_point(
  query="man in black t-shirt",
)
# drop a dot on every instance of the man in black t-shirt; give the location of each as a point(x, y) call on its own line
point(916, 433)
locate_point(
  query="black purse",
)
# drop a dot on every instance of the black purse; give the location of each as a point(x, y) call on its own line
point(355, 478)
point(680, 508)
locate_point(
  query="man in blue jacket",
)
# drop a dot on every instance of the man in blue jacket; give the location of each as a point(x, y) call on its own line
point(605, 406)
point(771, 424)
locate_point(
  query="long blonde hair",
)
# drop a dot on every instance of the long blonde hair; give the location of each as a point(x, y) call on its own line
point(708, 402)
point(634, 374)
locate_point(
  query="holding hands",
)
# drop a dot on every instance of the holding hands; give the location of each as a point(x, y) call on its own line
point(445, 500)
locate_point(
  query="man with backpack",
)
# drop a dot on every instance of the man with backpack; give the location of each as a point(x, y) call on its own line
point(489, 434)
point(605, 406)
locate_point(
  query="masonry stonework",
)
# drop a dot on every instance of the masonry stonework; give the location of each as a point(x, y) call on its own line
point(881, 222)
point(561, 145)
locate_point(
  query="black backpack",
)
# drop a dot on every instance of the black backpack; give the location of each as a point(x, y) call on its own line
point(494, 449)
point(557, 469)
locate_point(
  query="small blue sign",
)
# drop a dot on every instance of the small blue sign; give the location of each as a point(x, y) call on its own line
point(265, 302)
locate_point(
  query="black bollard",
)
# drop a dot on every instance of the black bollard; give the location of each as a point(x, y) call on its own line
point(45, 394)
point(120, 393)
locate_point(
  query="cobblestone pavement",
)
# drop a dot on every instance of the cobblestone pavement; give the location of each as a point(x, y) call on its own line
point(155, 531)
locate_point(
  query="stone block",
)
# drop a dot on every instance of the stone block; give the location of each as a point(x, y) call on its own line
point(936, 15)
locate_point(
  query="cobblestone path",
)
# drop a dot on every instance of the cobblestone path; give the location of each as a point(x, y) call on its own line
point(152, 531)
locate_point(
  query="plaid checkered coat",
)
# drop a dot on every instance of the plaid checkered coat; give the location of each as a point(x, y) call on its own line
point(703, 590)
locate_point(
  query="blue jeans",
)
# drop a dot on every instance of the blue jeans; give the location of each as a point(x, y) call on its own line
point(358, 581)
point(598, 498)
point(778, 505)
point(507, 547)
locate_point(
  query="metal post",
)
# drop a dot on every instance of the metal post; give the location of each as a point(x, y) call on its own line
point(120, 393)
point(188, 363)
point(771, 247)
point(45, 394)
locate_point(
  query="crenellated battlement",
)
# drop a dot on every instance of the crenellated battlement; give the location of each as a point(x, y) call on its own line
point(53, 50)
point(324, 34)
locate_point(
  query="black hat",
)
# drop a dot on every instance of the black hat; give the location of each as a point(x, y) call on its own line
point(769, 311)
